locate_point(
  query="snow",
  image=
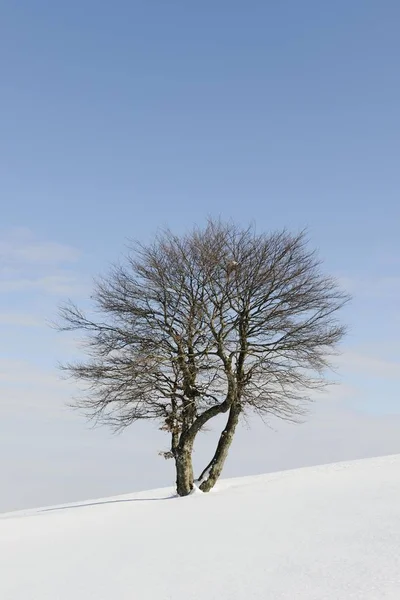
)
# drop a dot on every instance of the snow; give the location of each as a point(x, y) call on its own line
point(320, 533)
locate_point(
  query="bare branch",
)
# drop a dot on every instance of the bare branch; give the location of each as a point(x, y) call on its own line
point(221, 320)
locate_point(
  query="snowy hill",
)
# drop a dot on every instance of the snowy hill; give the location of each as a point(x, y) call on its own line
point(320, 533)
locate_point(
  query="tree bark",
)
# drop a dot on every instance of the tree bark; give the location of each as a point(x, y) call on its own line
point(183, 451)
point(184, 470)
point(214, 469)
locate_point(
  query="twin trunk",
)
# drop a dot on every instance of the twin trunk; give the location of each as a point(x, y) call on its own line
point(210, 475)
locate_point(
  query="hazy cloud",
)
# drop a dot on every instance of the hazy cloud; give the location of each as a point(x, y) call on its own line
point(51, 284)
point(19, 247)
point(19, 319)
point(359, 363)
point(31, 265)
point(27, 386)
point(376, 287)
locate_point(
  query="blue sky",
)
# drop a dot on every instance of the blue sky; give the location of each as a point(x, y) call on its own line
point(116, 119)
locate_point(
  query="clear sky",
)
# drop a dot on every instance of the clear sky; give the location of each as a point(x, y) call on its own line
point(116, 118)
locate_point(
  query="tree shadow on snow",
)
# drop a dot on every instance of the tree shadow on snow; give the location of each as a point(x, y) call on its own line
point(107, 502)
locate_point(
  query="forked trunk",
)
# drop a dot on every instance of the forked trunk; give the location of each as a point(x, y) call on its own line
point(212, 472)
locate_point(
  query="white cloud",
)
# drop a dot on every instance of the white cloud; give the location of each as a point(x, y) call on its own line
point(376, 287)
point(31, 265)
point(27, 374)
point(19, 319)
point(359, 363)
point(27, 386)
point(51, 284)
point(19, 247)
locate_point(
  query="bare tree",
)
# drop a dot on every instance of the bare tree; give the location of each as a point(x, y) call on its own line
point(221, 320)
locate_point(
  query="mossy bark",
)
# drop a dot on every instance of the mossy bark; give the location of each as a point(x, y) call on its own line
point(184, 470)
point(212, 472)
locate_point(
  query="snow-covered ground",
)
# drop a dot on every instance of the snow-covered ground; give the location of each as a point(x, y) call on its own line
point(320, 533)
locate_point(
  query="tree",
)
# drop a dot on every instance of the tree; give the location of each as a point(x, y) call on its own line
point(219, 321)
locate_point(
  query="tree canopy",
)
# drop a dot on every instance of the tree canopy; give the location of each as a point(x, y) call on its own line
point(220, 320)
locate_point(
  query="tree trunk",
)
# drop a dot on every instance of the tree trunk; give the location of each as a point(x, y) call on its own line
point(184, 470)
point(182, 451)
point(214, 469)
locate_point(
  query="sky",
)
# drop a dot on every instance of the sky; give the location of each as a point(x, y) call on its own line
point(118, 119)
